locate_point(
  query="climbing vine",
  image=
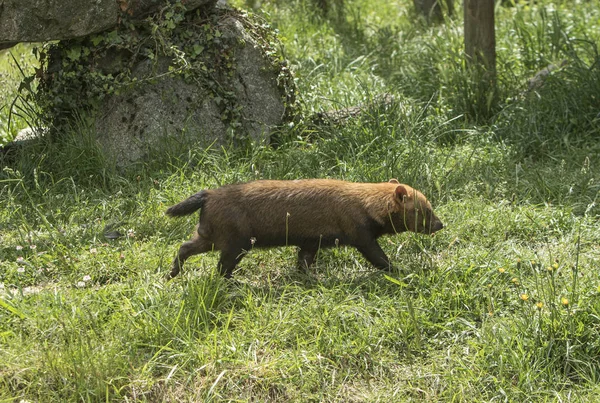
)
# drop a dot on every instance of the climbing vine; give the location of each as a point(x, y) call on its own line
point(78, 74)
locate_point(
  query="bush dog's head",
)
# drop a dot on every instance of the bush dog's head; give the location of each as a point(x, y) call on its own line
point(413, 211)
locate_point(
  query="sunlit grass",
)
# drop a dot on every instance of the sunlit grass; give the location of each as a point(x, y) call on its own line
point(502, 305)
point(14, 64)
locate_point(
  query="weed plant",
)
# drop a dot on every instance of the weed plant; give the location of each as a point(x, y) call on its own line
point(15, 114)
point(502, 305)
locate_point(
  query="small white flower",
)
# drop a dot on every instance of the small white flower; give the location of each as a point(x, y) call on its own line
point(32, 246)
point(87, 278)
point(19, 247)
point(80, 284)
point(20, 259)
point(130, 233)
point(93, 251)
point(20, 269)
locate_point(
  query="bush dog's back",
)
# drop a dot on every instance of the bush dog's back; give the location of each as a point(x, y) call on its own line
point(311, 214)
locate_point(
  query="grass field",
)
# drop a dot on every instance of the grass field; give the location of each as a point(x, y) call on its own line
point(501, 305)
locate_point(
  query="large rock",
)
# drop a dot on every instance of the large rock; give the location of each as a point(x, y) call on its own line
point(233, 89)
point(45, 20)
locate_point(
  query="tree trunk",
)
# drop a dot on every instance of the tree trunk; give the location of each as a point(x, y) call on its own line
point(480, 40)
point(480, 51)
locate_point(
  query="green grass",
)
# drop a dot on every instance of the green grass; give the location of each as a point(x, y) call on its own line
point(15, 111)
point(502, 305)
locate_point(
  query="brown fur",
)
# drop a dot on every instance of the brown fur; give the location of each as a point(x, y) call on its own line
point(311, 214)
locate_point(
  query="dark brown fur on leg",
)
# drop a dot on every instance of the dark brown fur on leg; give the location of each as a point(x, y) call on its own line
point(194, 246)
point(230, 257)
point(306, 257)
point(376, 256)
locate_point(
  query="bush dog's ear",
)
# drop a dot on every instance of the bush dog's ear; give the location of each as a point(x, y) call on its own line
point(394, 181)
point(401, 192)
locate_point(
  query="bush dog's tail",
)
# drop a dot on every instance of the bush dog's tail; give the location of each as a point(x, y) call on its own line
point(188, 206)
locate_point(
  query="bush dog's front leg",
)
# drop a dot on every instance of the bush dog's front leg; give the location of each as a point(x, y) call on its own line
point(375, 255)
point(306, 257)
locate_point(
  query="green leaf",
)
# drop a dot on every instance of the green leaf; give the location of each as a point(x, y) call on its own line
point(97, 39)
point(197, 50)
point(402, 284)
point(114, 38)
point(11, 309)
point(74, 53)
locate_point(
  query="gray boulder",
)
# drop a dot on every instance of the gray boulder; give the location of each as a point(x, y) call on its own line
point(231, 90)
point(45, 20)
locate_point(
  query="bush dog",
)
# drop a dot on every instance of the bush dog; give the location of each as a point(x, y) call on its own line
point(311, 214)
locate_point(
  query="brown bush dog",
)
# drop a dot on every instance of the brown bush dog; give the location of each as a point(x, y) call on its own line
point(311, 214)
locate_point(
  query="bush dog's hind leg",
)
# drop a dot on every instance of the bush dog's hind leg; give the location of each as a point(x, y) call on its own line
point(375, 255)
point(190, 248)
point(306, 257)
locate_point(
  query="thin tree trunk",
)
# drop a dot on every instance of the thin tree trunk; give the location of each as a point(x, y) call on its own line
point(480, 51)
point(480, 39)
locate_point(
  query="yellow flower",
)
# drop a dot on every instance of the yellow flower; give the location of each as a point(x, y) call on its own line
point(555, 265)
point(564, 301)
point(524, 297)
point(549, 268)
point(501, 270)
point(515, 280)
point(539, 305)
point(532, 262)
